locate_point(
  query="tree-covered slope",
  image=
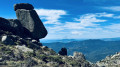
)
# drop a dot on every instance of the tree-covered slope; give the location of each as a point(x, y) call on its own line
point(94, 50)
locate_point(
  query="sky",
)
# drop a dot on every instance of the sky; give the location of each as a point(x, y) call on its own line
point(73, 19)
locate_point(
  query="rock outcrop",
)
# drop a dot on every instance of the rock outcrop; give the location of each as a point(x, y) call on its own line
point(30, 20)
point(17, 27)
point(110, 61)
point(5, 25)
point(63, 51)
point(27, 23)
point(78, 56)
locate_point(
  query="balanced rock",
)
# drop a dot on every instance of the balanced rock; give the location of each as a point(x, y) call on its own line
point(30, 20)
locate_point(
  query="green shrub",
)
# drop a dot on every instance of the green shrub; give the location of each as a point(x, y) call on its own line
point(55, 58)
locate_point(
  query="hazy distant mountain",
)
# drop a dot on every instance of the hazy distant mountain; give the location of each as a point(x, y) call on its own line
point(70, 40)
point(59, 40)
point(111, 39)
point(94, 49)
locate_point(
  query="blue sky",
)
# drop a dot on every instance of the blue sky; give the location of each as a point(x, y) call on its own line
point(73, 19)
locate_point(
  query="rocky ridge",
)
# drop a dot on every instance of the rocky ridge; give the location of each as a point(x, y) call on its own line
point(18, 52)
point(110, 61)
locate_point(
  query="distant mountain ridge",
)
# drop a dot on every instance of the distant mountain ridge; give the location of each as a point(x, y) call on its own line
point(93, 49)
point(59, 40)
point(111, 39)
point(70, 40)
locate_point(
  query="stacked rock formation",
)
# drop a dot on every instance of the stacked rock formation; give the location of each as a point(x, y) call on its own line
point(27, 23)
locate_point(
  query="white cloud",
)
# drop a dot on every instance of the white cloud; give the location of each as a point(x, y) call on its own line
point(114, 27)
point(104, 14)
point(73, 25)
point(109, 31)
point(85, 26)
point(55, 29)
point(116, 17)
point(51, 15)
point(79, 26)
point(77, 32)
point(87, 20)
point(113, 8)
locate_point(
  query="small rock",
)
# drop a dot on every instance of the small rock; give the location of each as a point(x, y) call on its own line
point(7, 40)
point(1, 59)
point(63, 51)
point(4, 38)
point(24, 48)
point(44, 47)
point(34, 41)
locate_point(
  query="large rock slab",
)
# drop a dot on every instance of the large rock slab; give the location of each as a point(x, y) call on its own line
point(11, 25)
point(14, 26)
point(18, 29)
point(5, 25)
point(31, 21)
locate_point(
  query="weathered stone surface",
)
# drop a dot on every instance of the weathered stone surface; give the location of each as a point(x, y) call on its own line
point(11, 25)
point(18, 29)
point(5, 25)
point(30, 20)
point(24, 48)
point(63, 51)
point(78, 56)
point(14, 26)
point(23, 6)
point(110, 61)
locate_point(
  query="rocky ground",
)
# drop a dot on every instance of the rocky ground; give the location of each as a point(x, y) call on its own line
point(18, 52)
point(27, 52)
point(110, 61)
